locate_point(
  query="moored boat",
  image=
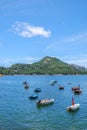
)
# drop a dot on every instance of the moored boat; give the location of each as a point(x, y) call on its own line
point(69, 83)
point(77, 91)
point(25, 82)
point(37, 90)
point(45, 102)
point(73, 107)
point(53, 82)
point(26, 86)
point(61, 87)
point(75, 88)
point(33, 96)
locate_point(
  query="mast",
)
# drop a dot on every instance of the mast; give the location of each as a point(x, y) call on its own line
point(72, 101)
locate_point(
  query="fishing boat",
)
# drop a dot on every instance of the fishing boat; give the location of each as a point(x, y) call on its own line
point(45, 102)
point(74, 106)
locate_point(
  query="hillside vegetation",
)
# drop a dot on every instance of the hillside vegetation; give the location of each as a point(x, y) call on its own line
point(47, 65)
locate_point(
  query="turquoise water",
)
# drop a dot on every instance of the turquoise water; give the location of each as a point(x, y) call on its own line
point(18, 112)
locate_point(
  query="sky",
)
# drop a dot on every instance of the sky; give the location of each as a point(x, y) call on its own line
point(33, 29)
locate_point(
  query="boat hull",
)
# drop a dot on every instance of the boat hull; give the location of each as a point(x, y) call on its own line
point(45, 102)
point(33, 97)
point(37, 90)
point(77, 91)
point(73, 107)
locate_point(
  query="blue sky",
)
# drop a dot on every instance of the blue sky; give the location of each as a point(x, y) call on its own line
point(33, 29)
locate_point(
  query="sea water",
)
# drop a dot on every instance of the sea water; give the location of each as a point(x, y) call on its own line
point(18, 112)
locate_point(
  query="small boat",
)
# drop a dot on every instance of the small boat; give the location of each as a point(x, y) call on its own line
point(33, 96)
point(69, 83)
point(61, 87)
point(45, 102)
point(26, 86)
point(73, 107)
point(53, 82)
point(77, 91)
point(75, 88)
point(37, 90)
point(25, 82)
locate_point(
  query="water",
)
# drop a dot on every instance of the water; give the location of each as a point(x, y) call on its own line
point(18, 112)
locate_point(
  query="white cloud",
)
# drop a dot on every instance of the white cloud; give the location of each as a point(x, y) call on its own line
point(26, 30)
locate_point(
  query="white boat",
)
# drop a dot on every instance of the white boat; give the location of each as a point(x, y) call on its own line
point(73, 107)
point(45, 102)
point(53, 82)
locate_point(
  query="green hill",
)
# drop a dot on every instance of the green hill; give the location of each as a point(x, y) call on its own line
point(47, 65)
point(50, 65)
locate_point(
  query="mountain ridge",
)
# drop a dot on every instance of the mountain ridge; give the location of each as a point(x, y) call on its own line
point(47, 65)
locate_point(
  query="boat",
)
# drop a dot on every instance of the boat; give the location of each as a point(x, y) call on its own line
point(73, 107)
point(45, 102)
point(33, 96)
point(25, 82)
point(75, 88)
point(53, 82)
point(77, 91)
point(26, 86)
point(61, 87)
point(37, 90)
point(69, 83)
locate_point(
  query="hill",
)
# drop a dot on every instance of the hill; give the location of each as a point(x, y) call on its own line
point(47, 65)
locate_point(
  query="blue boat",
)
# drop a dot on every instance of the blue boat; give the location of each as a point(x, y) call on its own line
point(37, 90)
point(33, 96)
